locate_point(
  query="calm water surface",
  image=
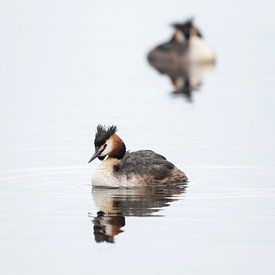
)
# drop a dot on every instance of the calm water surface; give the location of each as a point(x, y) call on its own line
point(67, 66)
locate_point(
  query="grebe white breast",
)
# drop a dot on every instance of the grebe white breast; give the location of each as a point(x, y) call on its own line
point(130, 169)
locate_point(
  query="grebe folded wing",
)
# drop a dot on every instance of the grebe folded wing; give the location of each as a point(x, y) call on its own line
point(146, 165)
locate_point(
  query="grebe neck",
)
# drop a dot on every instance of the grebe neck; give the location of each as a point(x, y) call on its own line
point(119, 148)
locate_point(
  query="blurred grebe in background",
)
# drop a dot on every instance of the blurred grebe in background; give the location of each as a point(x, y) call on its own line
point(185, 58)
point(130, 169)
point(186, 46)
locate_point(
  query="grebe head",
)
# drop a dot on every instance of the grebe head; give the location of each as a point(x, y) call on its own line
point(108, 143)
point(187, 29)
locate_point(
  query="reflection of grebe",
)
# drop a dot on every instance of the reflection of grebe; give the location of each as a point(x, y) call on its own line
point(121, 168)
point(189, 78)
point(106, 226)
point(186, 78)
point(186, 46)
point(116, 204)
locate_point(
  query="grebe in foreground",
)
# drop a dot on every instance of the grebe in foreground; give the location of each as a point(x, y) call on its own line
point(130, 169)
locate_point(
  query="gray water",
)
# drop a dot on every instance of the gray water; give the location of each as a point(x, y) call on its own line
point(67, 66)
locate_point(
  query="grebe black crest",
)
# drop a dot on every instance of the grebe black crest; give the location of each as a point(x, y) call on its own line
point(187, 28)
point(103, 133)
point(121, 168)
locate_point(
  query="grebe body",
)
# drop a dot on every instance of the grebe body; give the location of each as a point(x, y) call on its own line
point(130, 169)
point(185, 47)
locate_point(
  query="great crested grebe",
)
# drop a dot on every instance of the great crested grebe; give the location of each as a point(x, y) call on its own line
point(128, 169)
point(186, 46)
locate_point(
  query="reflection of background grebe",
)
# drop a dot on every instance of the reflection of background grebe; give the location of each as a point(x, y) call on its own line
point(187, 79)
point(185, 58)
point(116, 204)
point(121, 168)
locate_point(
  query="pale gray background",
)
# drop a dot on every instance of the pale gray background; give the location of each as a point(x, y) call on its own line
point(67, 66)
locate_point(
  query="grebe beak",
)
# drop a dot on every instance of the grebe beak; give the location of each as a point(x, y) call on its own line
point(175, 25)
point(95, 155)
point(98, 153)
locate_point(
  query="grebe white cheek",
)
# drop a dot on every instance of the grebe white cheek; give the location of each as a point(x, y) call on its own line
point(108, 147)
